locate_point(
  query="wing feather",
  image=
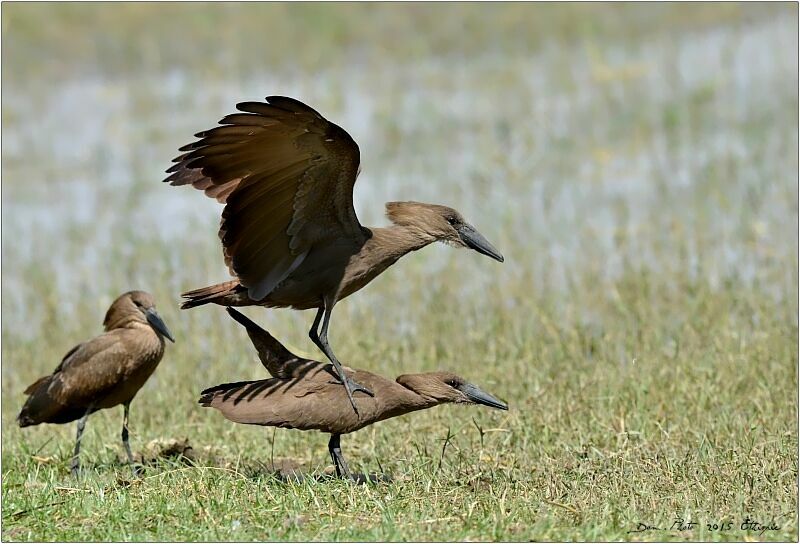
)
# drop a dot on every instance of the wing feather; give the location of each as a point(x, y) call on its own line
point(90, 370)
point(286, 176)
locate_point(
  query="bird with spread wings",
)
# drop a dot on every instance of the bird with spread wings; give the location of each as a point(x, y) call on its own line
point(289, 230)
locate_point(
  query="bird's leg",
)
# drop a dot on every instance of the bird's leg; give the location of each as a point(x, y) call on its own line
point(125, 442)
point(314, 332)
point(321, 340)
point(342, 470)
point(75, 463)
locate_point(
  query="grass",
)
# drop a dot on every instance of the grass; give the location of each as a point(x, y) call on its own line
point(640, 178)
point(670, 408)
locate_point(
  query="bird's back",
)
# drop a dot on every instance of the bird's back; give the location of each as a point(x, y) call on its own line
point(102, 372)
point(313, 400)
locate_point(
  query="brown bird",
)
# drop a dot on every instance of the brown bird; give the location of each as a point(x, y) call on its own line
point(302, 396)
point(289, 231)
point(103, 372)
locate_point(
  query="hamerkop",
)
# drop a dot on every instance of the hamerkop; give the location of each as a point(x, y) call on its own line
point(301, 395)
point(103, 372)
point(289, 231)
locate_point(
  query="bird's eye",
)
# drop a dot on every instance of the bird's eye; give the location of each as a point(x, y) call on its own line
point(452, 220)
point(451, 383)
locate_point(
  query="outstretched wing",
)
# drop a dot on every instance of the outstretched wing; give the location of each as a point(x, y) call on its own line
point(286, 176)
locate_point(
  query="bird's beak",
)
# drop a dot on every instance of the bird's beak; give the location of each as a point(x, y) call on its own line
point(474, 393)
point(475, 240)
point(158, 324)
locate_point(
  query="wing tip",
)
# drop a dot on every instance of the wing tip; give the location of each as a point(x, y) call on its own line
point(248, 106)
point(206, 397)
point(186, 148)
point(172, 179)
point(242, 319)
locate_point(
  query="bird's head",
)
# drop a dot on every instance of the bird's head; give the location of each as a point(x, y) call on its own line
point(135, 306)
point(442, 223)
point(448, 387)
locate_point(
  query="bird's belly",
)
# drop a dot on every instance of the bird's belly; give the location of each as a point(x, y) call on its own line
point(319, 275)
point(300, 294)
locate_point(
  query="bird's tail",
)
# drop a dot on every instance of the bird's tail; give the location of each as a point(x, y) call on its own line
point(41, 407)
point(227, 293)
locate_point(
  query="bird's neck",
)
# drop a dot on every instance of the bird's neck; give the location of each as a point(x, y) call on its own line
point(382, 249)
point(126, 321)
point(404, 401)
point(390, 243)
point(413, 400)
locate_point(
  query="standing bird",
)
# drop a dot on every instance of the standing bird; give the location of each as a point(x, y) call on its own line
point(302, 396)
point(102, 372)
point(289, 231)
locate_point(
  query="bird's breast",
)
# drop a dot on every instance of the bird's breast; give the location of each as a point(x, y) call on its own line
point(359, 273)
point(145, 352)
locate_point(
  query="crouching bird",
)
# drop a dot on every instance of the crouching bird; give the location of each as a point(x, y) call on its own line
point(301, 394)
point(103, 372)
point(289, 230)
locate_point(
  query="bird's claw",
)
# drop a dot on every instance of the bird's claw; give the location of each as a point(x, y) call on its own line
point(353, 386)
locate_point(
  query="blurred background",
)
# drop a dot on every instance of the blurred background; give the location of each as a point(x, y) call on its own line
point(635, 163)
point(582, 138)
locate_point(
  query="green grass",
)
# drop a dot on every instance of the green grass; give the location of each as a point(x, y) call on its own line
point(680, 401)
point(638, 172)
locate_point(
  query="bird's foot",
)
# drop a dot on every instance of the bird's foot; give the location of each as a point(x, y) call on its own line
point(354, 386)
point(75, 469)
point(342, 470)
point(351, 386)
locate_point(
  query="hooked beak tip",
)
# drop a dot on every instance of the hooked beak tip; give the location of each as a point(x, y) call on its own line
point(475, 240)
point(478, 396)
point(158, 324)
point(500, 405)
